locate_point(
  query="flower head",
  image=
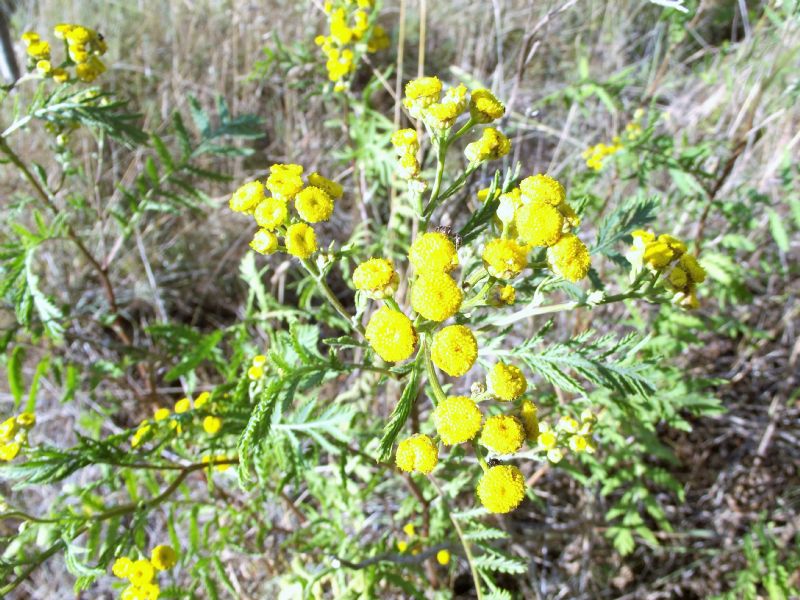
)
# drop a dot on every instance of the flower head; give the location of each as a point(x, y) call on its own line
point(247, 197)
point(484, 107)
point(271, 213)
point(284, 181)
point(377, 278)
point(163, 557)
point(457, 419)
point(506, 295)
point(491, 146)
point(569, 257)
point(333, 189)
point(454, 350)
point(264, 242)
point(391, 334)
point(544, 188)
point(183, 405)
point(417, 453)
point(504, 258)
point(443, 557)
point(503, 434)
point(441, 115)
point(313, 205)
point(301, 241)
point(539, 223)
point(9, 450)
point(122, 567)
point(405, 141)
point(436, 296)
point(8, 428)
point(212, 425)
point(528, 415)
point(421, 93)
point(433, 252)
point(501, 489)
point(506, 382)
point(141, 572)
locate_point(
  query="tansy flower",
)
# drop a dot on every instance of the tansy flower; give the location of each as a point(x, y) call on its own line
point(544, 188)
point(29, 37)
point(163, 557)
point(677, 246)
point(504, 259)
point(247, 197)
point(140, 434)
point(160, 414)
point(271, 213)
point(148, 591)
point(443, 557)
point(408, 166)
point(441, 115)
point(421, 93)
point(301, 241)
point(122, 567)
point(457, 96)
point(578, 443)
point(284, 181)
point(417, 453)
point(8, 428)
point(9, 450)
point(314, 205)
point(264, 242)
point(503, 434)
point(539, 223)
point(203, 399)
point(567, 424)
point(528, 415)
point(506, 382)
point(90, 70)
point(212, 425)
point(433, 252)
point(60, 75)
point(39, 50)
point(141, 572)
point(484, 107)
point(255, 372)
point(491, 146)
point(507, 295)
point(402, 545)
point(44, 67)
point(555, 455)
point(333, 189)
point(182, 406)
point(377, 278)
point(501, 489)
point(379, 40)
point(547, 439)
point(339, 29)
point(26, 420)
point(391, 334)
point(454, 350)
point(409, 530)
point(569, 258)
point(457, 419)
point(405, 140)
point(436, 296)
point(692, 268)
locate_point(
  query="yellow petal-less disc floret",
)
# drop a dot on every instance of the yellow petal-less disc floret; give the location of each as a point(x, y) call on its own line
point(391, 334)
point(507, 295)
point(405, 140)
point(423, 92)
point(506, 382)
point(271, 213)
point(501, 489)
point(441, 115)
point(212, 425)
point(264, 242)
point(333, 189)
point(436, 296)
point(122, 567)
point(301, 241)
point(377, 278)
point(9, 450)
point(454, 350)
point(503, 434)
point(484, 107)
point(491, 146)
point(247, 197)
point(504, 258)
point(569, 257)
point(417, 453)
point(313, 205)
point(539, 223)
point(284, 181)
point(457, 419)
point(8, 428)
point(544, 188)
point(693, 269)
point(163, 557)
point(141, 572)
point(433, 252)
point(529, 416)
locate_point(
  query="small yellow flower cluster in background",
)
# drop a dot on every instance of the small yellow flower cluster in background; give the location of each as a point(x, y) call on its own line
point(594, 155)
point(141, 573)
point(83, 47)
point(415, 543)
point(667, 254)
point(161, 414)
point(349, 34)
point(407, 145)
point(14, 435)
point(567, 434)
point(537, 214)
point(256, 370)
point(313, 202)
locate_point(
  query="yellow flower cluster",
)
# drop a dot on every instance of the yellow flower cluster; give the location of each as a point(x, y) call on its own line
point(377, 278)
point(84, 46)
point(594, 155)
point(416, 542)
point(141, 573)
point(14, 435)
point(313, 203)
point(567, 434)
point(660, 253)
point(161, 414)
point(350, 33)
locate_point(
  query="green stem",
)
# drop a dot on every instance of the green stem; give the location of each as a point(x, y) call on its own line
point(392, 303)
point(331, 297)
point(433, 379)
point(479, 455)
point(437, 183)
point(477, 298)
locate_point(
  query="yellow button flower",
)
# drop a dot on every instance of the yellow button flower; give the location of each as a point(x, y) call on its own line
point(436, 296)
point(569, 257)
point(457, 419)
point(491, 146)
point(391, 334)
point(422, 92)
point(405, 140)
point(454, 350)
point(547, 439)
point(484, 107)
point(284, 181)
point(443, 557)
point(9, 450)
point(539, 223)
point(313, 205)
point(39, 49)
point(441, 115)
point(503, 434)
point(529, 417)
point(504, 259)
point(333, 189)
point(141, 572)
point(433, 252)
point(161, 414)
point(202, 399)
point(301, 241)
point(506, 382)
point(271, 213)
point(264, 242)
point(122, 567)
point(543, 188)
point(693, 269)
point(247, 197)
point(417, 453)
point(501, 489)
point(182, 405)
point(507, 295)
point(163, 557)
point(377, 278)
point(212, 425)
point(8, 428)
